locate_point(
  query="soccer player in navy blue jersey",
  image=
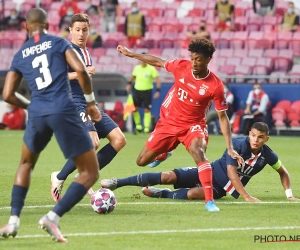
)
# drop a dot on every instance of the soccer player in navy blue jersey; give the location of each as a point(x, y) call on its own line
point(228, 177)
point(106, 128)
point(43, 62)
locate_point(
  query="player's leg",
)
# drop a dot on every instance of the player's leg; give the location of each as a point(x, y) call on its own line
point(184, 179)
point(36, 137)
point(161, 140)
point(19, 191)
point(147, 110)
point(140, 180)
point(137, 100)
point(194, 140)
point(107, 128)
point(76, 144)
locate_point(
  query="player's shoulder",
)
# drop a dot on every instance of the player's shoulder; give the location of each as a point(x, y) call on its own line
point(241, 142)
point(215, 78)
point(267, 149)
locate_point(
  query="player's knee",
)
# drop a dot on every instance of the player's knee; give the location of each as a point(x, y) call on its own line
point(196, 193)
point(168, 177)
point(140, 162)
point(118, 142)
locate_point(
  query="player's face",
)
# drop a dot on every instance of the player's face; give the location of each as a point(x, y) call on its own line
point(199, 63)
point(80, 33)
point(257, 139)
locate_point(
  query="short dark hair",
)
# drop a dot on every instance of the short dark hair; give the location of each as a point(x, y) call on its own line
point(261, 126)
point(203, 46)
point(80, 17)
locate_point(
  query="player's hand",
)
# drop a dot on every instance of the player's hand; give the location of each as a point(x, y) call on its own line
point(95, 139)
point(128, 88)
point(252, 199)
point(93, 111)
point(236, 156)
point(122, 49)
point(156, 95)
point(293, 199)
point(91, 70)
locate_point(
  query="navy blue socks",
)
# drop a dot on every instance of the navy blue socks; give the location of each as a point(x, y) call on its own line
point(17, 200)
point(141, 180)
point(178, 194)
point(105, 156)
point(74, 194)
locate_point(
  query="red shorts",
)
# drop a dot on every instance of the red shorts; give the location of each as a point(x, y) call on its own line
point(166, 137)
point(135, 42)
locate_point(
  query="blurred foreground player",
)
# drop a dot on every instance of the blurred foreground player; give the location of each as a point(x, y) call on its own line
point(42, 61)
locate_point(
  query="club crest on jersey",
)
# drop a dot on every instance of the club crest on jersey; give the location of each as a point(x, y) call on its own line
point(202, 91)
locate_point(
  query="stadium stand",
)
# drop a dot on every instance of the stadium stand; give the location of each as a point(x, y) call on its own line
point(255, 47)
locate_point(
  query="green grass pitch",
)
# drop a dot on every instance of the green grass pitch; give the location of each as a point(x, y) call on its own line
point(146, 223)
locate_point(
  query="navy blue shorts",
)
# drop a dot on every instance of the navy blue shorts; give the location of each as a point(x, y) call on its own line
point(81, 110)
point(103, 128)
point(70, 133)
point(187, 177)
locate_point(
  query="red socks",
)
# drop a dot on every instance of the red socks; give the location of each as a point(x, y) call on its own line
point(205, 177)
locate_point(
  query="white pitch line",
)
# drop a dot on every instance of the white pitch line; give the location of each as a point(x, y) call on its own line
point(173, 203)
point(204, 230)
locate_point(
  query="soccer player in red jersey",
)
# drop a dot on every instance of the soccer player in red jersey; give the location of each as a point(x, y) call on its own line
point(183, 111)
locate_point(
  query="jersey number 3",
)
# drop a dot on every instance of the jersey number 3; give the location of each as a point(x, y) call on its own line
point(42, 59)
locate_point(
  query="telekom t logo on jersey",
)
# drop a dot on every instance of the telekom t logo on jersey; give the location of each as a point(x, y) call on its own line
point(182, 94)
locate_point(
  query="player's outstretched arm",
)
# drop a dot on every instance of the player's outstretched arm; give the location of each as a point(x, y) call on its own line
point(12, 82)
point(85, 82)
point(226, 131)
point(286, 183)
point(237, 184)
point(152, 60)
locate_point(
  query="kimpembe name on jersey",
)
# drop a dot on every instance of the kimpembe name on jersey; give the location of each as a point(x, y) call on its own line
point(39, 48)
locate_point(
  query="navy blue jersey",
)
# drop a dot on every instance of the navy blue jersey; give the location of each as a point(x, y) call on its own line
point(253, 164)
point(77, 92)
point(41, 61)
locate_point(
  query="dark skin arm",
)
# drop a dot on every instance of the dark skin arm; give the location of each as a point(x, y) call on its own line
point(12, 82)
point(226, 131)
point(149, 59)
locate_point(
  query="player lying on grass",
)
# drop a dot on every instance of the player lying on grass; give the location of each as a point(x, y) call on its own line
point(228, 177)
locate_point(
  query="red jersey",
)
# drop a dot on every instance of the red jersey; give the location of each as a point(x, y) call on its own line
point(189, 99)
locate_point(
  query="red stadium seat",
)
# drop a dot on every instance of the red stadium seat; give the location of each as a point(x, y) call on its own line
point(238, 39)
point(240, 23)
point(241, 70)
point(295, 43)
point(296, 106)
point(254, 24)
point(196, 13)
point(241, 7)
point(224, 40)
point(285, 105)
point(249, 61)
point(284, 60)
point(235, 61)
point(258, 53)
point(278, 116)
point(277, 76)
point(228, 53)
point(242, 53)
point(154, 27)
point(283, 40)
point(265, 62)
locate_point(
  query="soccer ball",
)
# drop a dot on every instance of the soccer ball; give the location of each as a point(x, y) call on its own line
point(103, 201)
